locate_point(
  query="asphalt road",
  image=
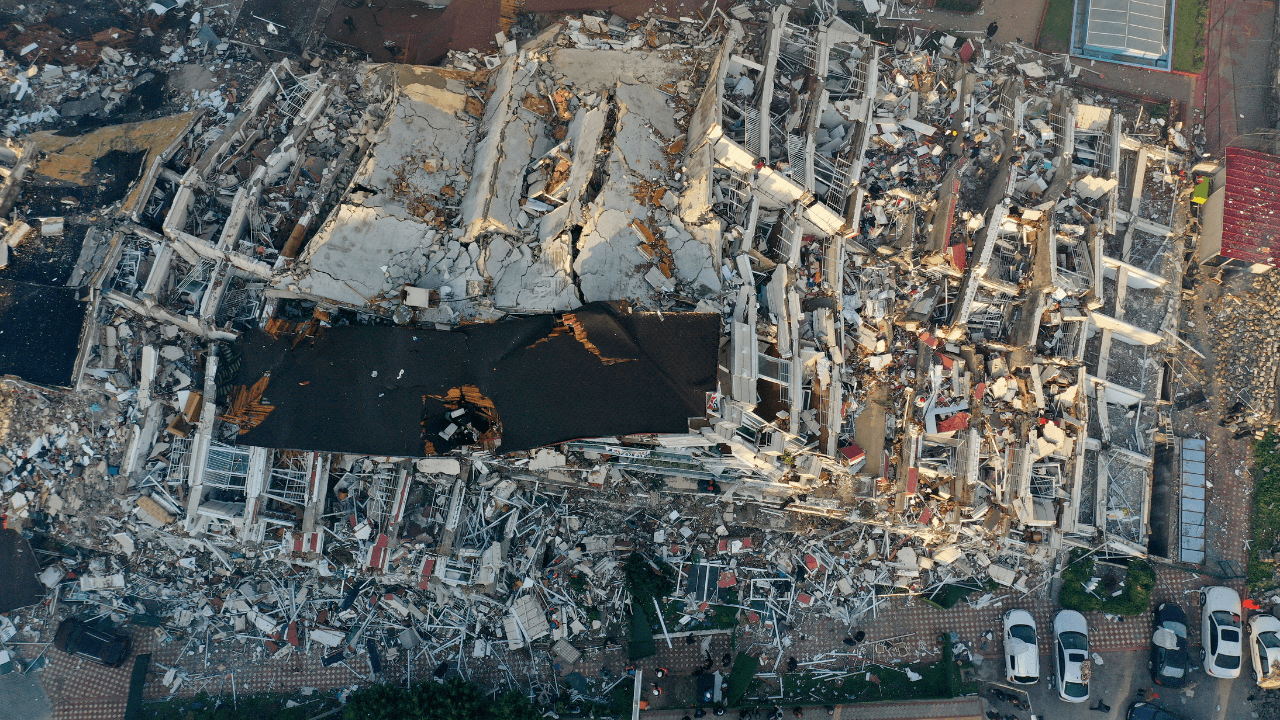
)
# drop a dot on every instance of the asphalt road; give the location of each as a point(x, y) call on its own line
point(24, 699)
point(1117, 682)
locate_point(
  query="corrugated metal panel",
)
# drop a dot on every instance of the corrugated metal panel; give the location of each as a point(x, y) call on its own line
point(1192, 491)
point(1251, 212)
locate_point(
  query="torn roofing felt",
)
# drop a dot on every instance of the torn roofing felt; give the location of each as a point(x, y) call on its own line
point(19, 586)
point(382, 390)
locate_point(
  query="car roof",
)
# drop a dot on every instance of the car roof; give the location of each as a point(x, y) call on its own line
point(1023, 653)
point(1166, 639)
point(1221, 598)
point(1264, 623)
point(1071, 669)
point(1170, 611)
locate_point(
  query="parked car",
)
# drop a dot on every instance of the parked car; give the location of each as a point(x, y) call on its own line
point(77, 637)
point(1220, 632)
point(1021, 653)
point(1071, 656)
point(1147, 711)
point(1169, 662)
point(1264, 649)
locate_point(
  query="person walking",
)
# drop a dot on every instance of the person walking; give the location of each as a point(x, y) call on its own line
point(992, 28)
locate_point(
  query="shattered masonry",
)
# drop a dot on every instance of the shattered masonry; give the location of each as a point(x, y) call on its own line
point(438, 334)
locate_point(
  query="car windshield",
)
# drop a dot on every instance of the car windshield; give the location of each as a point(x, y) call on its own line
point(1074, 641)
point(1076, 690)
point(1025, 633)
point(91, 644)
point(1172, 670)
point(1227, 662)
point(1226, 619)
point(1230, 635)
point(1176, 628)
point(1269, 639)
point(1025, 680)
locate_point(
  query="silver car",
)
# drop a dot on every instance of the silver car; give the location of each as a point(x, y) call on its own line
point(1071, 656)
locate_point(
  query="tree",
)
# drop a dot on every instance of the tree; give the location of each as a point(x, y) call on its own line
point(648, 580)
point(1134, 598)
point(512, 705)
point(380, 702)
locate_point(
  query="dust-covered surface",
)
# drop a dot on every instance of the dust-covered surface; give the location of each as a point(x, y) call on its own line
point(309, 386)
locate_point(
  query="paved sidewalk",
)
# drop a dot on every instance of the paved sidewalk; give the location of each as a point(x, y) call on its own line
point(1236, 83)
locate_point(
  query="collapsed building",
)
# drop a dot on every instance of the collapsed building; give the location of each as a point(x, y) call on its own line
point(917, 293)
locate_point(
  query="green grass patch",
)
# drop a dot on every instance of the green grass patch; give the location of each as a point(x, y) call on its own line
point(961, 6)
point(744, 669)
point(1188, 35)
point(883, 684)
point(1055, 32)
point(1134, 597)
point(1265, 525)
point(620, 698)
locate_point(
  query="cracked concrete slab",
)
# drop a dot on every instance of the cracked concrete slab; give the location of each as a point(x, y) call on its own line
point(641, 151)
point(536, 278)
point(345, 261)
point(583, 137)
point(593, 71)
point(647, 102)
point(427, 143)
point(696, 250)
point(608, 261)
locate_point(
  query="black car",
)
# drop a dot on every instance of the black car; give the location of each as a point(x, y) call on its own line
point(1170, 662)
point(103, 646)
point(1146, 711)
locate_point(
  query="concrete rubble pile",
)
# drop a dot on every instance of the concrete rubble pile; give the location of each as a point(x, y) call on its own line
point(948, 289)
point(55, 74)
point(1247, 355)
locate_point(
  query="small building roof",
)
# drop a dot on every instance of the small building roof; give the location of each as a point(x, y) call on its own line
point(1251, 216)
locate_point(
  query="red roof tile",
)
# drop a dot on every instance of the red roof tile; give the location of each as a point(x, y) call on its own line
point(1251, 213)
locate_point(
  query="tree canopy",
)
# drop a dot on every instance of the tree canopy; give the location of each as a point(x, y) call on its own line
point(455, 699)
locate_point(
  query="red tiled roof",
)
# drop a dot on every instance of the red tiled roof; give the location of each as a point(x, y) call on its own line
point(1251, 213)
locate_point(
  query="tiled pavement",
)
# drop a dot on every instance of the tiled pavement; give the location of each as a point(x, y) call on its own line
point(80, 689)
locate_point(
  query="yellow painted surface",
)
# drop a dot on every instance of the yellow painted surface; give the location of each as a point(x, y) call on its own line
point(70, 159)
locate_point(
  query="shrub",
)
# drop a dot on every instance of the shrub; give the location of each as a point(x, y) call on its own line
point(1133, 600)
point(1265, 529)
point(645, 583)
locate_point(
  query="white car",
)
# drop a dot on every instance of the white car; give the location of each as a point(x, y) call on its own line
point(1264, 649)
point(1021, 653)
point(1071, 656)
point(1220, 632)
